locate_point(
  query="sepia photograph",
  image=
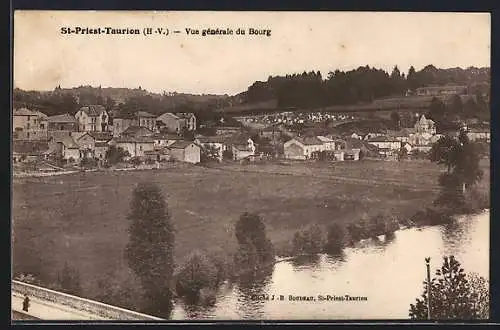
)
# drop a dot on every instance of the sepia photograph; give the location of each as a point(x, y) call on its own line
point(204, 165)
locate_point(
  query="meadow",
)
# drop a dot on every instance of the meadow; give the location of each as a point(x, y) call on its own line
point(81, 218)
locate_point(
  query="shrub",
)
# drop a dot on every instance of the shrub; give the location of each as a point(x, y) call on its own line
point(308, 241)
point(150, 161)
point(356, 232)
point(120, 288)
point(116, 155)
point(475, 201)
point(431, 217)
point(197, 273)
point(335, 239)
point(227, 154)
point(135, 161)
point(88, 162)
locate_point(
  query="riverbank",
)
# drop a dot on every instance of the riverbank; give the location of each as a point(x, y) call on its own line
point(81, 218)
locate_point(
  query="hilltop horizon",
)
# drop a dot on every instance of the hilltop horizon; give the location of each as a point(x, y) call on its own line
point(170, 93)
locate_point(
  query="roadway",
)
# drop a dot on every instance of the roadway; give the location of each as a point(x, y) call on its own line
point(45, 310)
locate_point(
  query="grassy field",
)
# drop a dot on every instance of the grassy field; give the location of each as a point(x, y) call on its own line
point(81, 218)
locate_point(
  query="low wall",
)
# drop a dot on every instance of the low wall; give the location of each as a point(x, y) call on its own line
point(82, 304)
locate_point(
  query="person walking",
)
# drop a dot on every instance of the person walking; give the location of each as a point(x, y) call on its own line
point(26, 303)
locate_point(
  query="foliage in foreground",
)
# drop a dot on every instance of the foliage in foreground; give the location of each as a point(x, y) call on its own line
point(454, 295)
point(150, 249)
point(255, 250)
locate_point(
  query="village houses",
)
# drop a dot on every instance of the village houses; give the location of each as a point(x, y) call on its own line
point(176, 122)
point(92, 118)
point(29, 125)
point(61, 125)
point(141, 118)
point(185, 151)
point(304, 147)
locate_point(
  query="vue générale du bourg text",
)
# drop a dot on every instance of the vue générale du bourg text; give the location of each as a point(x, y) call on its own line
point(78, 30)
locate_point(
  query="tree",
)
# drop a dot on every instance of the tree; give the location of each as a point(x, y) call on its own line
point(115, 155)
point(149, 251)
point(412, 79)
point(437, 111)
point(461, 158)
point(197, 273)
point(467, 164)
point(452, 296)
point(457, 106)
point(210, 153)
point(335, 239)
point(396, 120)
point(254, 246)
point(445, 152)
point(308, 241)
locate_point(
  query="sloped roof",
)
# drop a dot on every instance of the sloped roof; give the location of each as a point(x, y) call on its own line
point(212, 139)
point(24, 112)
point(180, 144)
point(324, 139)
point(166, 136)
point(77, 135)
point(102, 136)
point(138, 131)
point(381, 139)
point(309, 140)
point(168, 114)
point(144, 114)
point(93, 110)
point(133, 139)
point(64, 118)
point(67, 141)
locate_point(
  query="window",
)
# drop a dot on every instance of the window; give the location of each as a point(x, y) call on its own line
point(140, 148)
point(42, 126)
point(28, 135)
point(28, 126)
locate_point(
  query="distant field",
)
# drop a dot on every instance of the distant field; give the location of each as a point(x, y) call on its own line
point(407, 103)
point(81, 218)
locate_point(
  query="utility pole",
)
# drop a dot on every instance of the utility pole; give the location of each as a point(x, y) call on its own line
point(427, 263)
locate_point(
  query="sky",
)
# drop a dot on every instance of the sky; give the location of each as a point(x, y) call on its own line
point(227, 64)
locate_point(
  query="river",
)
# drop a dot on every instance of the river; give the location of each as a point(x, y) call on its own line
point(389, 274)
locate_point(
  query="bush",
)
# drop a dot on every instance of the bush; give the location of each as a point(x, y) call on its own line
point(197, 273)
point(308, 241)
point(356, 232)
point(115, 155)
point(135, 161)
point(335, 239)
point(150, 161)
point(227, 155)
point(431, 217)
point(88, 162)
point(475, 201)
point(120, 288)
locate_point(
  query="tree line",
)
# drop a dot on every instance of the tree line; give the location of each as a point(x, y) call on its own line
point(361, 85)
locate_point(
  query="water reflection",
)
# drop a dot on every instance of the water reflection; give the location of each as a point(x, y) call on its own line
point(251, 292)
point(389, 271)
point(306, 261)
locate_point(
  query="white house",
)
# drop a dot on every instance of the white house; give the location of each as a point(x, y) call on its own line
point(185, 151)
point(92, 118)
point(29, 125)
point(384, 142)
